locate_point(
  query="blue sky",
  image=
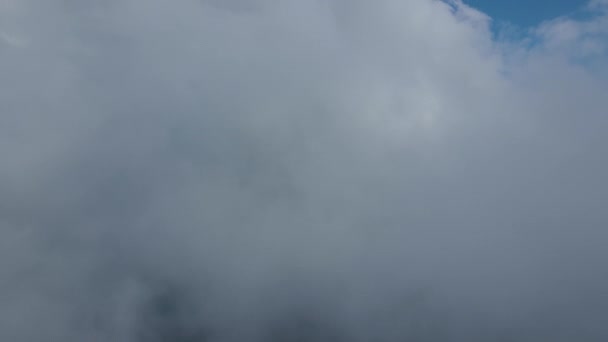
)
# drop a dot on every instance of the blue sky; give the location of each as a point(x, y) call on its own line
point(526, 12)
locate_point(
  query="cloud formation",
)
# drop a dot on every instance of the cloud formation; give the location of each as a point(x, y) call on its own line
point(343, 170)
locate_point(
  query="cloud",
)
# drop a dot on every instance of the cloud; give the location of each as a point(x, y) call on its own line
point(299, 170)
point(578, 38)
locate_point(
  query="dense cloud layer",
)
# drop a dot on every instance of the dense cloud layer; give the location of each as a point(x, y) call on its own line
point(319, 170)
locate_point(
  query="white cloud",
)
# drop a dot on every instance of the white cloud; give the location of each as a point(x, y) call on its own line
point(12, 40)
point(578, 38)
point(345, 169)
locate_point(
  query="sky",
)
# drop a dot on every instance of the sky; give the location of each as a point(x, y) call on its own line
point(313, 171)
point(525, 13)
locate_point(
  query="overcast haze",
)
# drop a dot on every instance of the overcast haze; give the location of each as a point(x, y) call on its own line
point(300, 170)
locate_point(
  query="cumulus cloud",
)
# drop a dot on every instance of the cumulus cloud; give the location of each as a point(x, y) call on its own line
point(300, 171)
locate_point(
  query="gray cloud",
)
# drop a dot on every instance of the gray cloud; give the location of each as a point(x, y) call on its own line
point(299, 171)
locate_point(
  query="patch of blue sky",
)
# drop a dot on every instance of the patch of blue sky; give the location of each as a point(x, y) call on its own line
point(515, 20)
point(520, 24)
point(527, 13)
point(518, 21)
